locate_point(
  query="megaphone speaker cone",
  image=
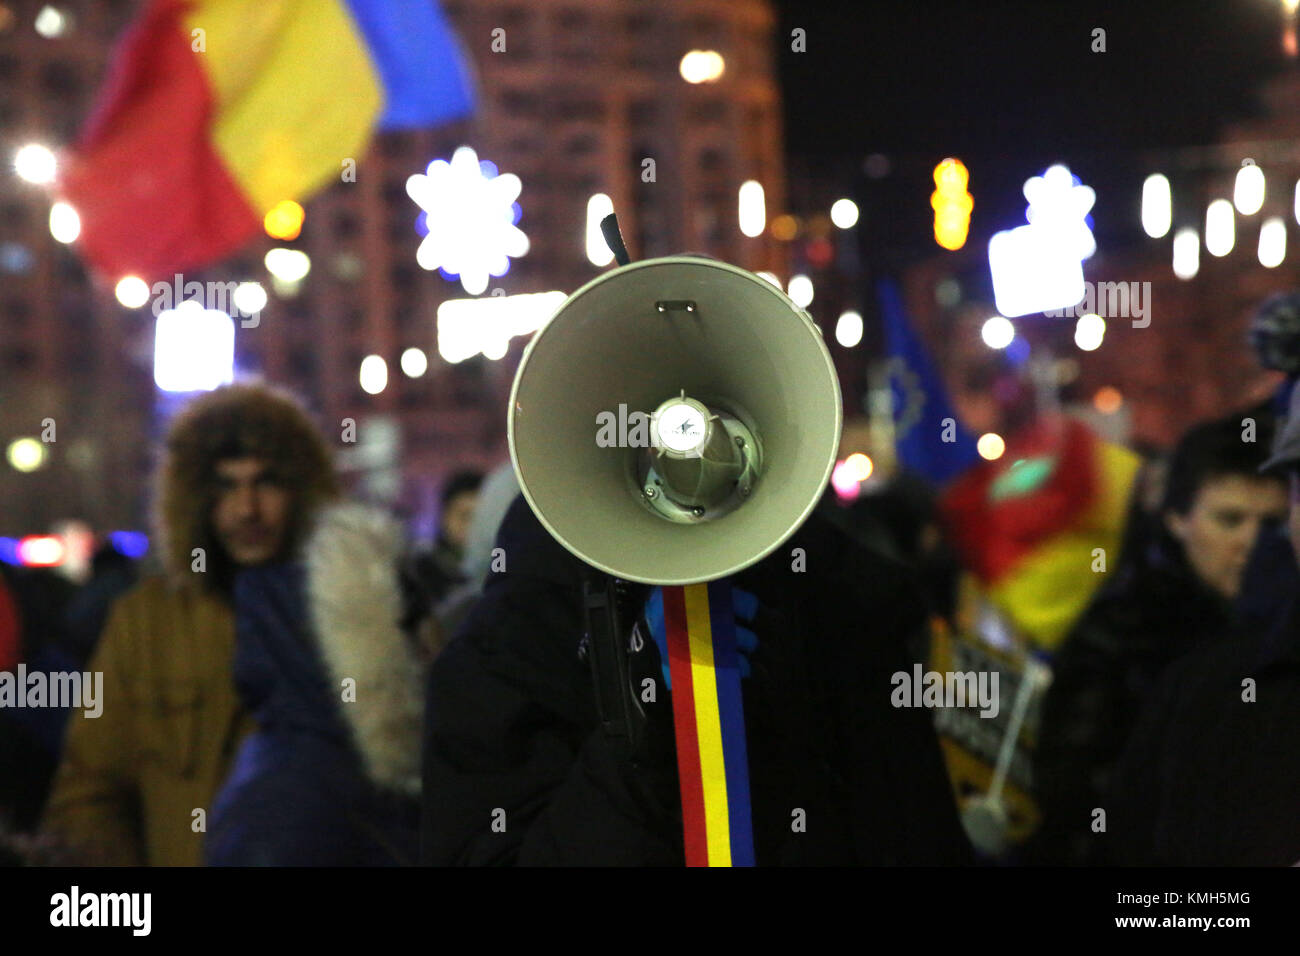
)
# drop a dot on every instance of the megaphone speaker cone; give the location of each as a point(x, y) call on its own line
point(741, 359)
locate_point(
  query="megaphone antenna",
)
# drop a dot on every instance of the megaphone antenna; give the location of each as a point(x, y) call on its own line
point(614, 239)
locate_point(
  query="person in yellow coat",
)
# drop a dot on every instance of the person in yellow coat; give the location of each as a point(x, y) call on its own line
point(242, 473)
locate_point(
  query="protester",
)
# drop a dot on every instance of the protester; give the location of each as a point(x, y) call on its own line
point(52, 627)
point(512, 735)
point(494, 498)
point(242, 473)
point(331, 777)
point(1163, 602)
point(1211, 776)
point(440, 569)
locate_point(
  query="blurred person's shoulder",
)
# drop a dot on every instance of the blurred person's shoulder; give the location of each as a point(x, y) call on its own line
point(156, 605)
point(824, 567)
point(526, 550)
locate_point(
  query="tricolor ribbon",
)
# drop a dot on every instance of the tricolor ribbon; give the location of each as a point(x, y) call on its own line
point(709, 721)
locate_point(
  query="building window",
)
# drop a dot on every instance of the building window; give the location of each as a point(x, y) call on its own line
point(345, 225)
point(20, 358)
point(524, 102)
point(60, 80)
point(302, 364)
point(711, 160)
point(520, 42)
point(15, 215)
point(584, 144)
point(402, 277)
point(576, 38)
point(17, 312)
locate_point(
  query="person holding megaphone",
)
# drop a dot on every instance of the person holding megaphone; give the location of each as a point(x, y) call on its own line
point(678, 659)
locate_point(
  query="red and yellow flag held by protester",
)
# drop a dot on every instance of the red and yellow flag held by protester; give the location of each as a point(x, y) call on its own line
point(1041, 526)
point(215, 111)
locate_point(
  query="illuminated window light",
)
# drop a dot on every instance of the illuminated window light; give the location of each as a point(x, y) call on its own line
point(284, 221)
point(469, 327)
point(132, 291)
point(414, 362)
point(998, 332)
point(848, 330)
point(194, 349)
point(65, 224)
point(702, 66)
point(374, 374)
point(1248, 190)
point(1187, 254)
point(844, 213)
point(1089, 330)
point(800, 291)
point(35, 164)
point(1220, 232)
point(1157, 206)
point(598, 252)
point(287, 265)
point(1272, 242)
point(25, 454)
point(753, 212)
point(990, 446)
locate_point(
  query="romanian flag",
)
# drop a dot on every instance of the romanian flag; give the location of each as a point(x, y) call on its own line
point(214, 111)
point(709, 725)
point(1029, 524)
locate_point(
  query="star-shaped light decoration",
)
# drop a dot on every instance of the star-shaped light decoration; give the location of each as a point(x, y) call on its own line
point(1058, 209)
point(1039, 267)
point(468, 220)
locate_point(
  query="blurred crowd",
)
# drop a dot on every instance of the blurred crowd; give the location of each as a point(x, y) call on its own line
point(289, 681)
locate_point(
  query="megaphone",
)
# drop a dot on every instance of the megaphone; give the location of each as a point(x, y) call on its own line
point(723, 404)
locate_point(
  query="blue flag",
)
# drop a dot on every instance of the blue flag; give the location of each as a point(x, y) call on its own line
point(426, 76)
point(920, 401)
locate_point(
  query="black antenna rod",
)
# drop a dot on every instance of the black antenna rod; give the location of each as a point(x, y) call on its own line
point(614, 239)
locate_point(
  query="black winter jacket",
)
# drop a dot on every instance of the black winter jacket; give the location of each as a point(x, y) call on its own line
point(511, 734)
point(1211, 778)
point(1152, 614)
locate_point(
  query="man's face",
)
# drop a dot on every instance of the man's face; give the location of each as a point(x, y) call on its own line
point(1219, 530)
point(457, 515)
point(251, 514)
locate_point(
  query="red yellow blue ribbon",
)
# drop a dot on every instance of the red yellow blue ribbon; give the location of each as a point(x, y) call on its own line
point(709, 721)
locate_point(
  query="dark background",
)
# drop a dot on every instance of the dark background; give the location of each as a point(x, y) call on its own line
point(1011, 87)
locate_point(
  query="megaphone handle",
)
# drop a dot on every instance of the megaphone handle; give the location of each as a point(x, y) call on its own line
point(620, 713)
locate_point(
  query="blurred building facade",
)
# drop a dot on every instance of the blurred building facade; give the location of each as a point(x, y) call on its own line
point(1187, 359)
point(574, 98)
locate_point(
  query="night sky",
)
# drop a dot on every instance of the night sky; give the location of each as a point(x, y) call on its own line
point(1011, 87)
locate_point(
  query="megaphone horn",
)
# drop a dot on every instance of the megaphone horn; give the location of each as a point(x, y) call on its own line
point(744, 415)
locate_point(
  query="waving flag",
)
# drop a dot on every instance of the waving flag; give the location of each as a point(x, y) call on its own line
point(216, 110)
point(923, 416)
point(1029, 525)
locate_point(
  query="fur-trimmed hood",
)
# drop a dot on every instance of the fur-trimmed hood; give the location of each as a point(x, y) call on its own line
point(353, 557)
point(248, 419)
